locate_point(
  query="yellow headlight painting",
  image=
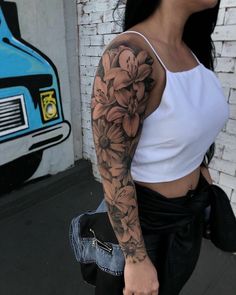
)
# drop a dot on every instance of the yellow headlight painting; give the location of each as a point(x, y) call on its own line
point(49, 105)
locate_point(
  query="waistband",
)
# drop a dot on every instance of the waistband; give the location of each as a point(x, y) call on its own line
point(158, 213)
point(202, 184)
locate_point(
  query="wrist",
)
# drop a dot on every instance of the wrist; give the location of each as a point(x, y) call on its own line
point(135, 255)
point(133, 260)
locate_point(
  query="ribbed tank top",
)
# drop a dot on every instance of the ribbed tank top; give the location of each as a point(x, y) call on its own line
point(177, 134)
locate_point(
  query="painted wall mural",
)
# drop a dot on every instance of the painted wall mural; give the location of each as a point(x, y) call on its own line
point(31, 114)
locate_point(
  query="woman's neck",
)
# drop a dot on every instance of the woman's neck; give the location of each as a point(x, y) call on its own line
point(167, 22)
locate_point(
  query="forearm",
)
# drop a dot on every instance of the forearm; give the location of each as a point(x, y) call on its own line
point(123, 214)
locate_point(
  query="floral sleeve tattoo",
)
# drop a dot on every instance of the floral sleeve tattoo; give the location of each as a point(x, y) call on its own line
point(120, 92)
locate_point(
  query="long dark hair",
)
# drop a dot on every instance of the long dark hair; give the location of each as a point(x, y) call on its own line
point(197, 34)
point(197, 31)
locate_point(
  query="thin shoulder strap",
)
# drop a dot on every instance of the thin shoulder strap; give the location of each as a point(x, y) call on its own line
point(195, 57)
point(157, 55)
point(145, 38)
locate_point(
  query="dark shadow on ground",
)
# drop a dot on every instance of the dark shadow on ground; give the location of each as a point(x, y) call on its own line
point(35, 254)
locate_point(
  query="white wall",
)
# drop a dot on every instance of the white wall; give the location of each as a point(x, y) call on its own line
point(96, 29)
point(223, 166)
point(51, 26)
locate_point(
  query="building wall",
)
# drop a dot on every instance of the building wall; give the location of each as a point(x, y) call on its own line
point(223, 166)
point(50, 30)
point(97, 28)
point(59, 20)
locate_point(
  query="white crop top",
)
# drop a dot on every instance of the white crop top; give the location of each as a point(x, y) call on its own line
point(177, 134)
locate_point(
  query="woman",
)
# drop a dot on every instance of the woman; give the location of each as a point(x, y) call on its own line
point(156, 109)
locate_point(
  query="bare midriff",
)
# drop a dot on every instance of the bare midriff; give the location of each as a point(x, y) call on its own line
point(175, 188)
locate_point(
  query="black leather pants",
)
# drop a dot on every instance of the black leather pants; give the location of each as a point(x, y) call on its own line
point(172, 229)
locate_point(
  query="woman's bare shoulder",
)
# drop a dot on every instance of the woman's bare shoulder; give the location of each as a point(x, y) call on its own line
point(135, 49)
point(133, 40)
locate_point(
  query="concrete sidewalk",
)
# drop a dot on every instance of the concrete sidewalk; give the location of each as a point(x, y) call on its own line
point(35, 255)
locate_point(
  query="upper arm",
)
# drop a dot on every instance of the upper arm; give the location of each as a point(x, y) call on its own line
point(121, 89)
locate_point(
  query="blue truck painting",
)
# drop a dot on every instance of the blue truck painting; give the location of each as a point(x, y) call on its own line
point(31, 114)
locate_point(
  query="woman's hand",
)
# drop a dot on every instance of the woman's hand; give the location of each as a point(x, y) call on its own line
point(141, 278)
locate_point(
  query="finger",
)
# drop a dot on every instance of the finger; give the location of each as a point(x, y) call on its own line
point(127, 292)
point(154, 292)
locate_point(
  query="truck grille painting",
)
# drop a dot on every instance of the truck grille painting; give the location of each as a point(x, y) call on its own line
point(31, 109)
point(12, 115)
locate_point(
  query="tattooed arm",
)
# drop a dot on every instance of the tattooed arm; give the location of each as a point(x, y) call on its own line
point(121, 89)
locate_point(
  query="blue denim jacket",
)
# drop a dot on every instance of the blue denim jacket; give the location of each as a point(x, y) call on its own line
point(220, 216)
point(86, 250)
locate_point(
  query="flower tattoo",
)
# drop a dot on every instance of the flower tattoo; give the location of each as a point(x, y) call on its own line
point(121, 91)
